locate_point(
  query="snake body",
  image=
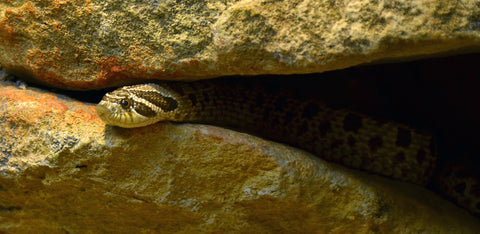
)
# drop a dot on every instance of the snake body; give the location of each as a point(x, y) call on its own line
point(343, 136)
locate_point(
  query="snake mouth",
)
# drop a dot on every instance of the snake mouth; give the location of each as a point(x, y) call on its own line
point(102, 111)
point(105, 114)
point(124, 119)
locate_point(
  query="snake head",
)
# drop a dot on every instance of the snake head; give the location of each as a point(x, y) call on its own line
point(136, 106)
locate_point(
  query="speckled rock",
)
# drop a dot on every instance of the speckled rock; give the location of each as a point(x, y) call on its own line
point(93, 44)
point(63, 170)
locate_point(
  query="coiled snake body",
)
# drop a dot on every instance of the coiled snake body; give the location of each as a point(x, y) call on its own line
point(342, 136)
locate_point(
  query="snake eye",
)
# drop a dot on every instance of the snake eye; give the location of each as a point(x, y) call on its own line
point(125, 103)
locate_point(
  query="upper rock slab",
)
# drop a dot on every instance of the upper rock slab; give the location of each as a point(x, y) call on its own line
point(98, 43)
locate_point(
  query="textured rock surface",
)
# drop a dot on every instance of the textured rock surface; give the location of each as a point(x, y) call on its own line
point(88, 44)
point(63, 170)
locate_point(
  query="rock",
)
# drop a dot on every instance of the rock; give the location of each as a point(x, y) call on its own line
point(94, 44)
point(63, 170)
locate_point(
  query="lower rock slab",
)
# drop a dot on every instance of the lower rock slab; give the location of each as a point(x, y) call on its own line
point(63, 170)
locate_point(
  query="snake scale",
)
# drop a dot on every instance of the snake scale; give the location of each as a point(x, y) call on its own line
point(342, 136)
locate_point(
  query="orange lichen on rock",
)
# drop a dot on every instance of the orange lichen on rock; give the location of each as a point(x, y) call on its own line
point(34, 107)
point(26, 107)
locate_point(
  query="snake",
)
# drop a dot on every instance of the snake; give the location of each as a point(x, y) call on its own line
point(342, 136)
